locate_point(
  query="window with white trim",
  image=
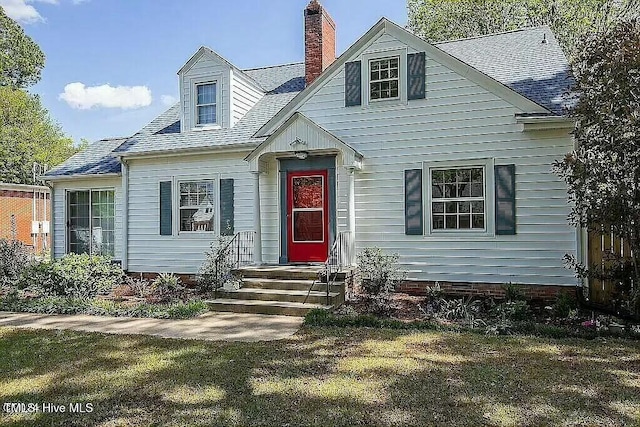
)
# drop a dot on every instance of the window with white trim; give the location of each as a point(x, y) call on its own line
point(206, 104)
point(197, 201)
point(458, 199)
point(384, 78)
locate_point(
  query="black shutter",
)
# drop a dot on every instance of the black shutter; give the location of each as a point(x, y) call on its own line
point(226, 207)
point(166, 214)
point(352, 84)
point(416, 71)
point(413, 220)
point(505, 177)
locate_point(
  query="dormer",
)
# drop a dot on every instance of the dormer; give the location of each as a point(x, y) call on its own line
point(214, 94)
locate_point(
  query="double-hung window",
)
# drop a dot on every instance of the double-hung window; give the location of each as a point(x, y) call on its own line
point(91, 222)
point(458, 199)
point(206, 103)
point(197, 205)
point(384, 78)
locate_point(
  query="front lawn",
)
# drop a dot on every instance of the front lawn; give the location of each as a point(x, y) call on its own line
point(323, 377)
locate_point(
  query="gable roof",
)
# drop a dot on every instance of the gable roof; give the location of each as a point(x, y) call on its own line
point(514, 65)
point(97, 159)
point(282, 83)
point(522, 98)
point(530, 61)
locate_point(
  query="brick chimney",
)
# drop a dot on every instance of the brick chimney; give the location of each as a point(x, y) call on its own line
point(319, 41)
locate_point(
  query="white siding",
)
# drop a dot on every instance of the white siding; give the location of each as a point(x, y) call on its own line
point(60, 210)
point(458, 121)
point(205, 69)
point(180, 253)
point(244, 96)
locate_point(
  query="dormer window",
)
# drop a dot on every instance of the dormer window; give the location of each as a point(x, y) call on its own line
point(206, 103)
point(384, 81)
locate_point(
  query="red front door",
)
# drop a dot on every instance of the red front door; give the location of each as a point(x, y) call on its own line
point(307, 216)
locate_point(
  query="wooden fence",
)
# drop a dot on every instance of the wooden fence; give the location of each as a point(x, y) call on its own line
point(603, 249)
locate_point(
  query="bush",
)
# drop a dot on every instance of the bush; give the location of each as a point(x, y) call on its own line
point(164, 287)
point(380, 275)
point(77, 276)
point(563, 305)
point(212, 277)
point(14, 259)
point(513, 292)
point(512, 310)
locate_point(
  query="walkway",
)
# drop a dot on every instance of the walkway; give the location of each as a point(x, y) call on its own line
point(209, 326)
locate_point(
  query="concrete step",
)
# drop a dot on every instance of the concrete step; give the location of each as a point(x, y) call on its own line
point(313, 297)
point(263, 307)
point(294, 285)
point(284, 272)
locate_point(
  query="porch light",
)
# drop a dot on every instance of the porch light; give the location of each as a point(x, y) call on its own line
point(301, 154)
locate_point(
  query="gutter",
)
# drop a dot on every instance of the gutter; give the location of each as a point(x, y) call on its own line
point(545, 122)
point(76, 177)
point(125, 208)
point(229, 148)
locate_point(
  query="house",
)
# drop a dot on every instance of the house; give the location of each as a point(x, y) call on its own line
point(25, 214)
point(440, 153)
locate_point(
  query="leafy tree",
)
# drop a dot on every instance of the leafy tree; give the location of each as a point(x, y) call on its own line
point(438, 20)
point(28, 135)
point(603, 173)
point(21, 59)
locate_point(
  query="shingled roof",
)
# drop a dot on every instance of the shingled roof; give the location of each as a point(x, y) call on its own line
point(528, 61)
point(97, 159)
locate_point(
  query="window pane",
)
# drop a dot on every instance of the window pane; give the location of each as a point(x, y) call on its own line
point(464, 207)
point(452, 222)
point(464, 190)
point(308, 192)
point(437, 191)
point(206, 94)
point(438, 207)
point(477, 207)
point(450, 190)
point(197, 205)
point(206, 114)
point(478, 221)
point(308, 226)
point(437, 177)
point(465, 221)
point(476, 175)
point(438, 222)
point(477, 190)
point(451, 207)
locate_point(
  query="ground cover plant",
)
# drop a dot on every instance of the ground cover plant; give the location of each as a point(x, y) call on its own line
point(83, 284)
point(323, 376)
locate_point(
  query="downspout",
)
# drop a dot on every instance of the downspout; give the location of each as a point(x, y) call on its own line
point(125, 208)
point(52, 223)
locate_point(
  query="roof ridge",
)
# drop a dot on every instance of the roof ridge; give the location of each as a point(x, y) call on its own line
point(115, 138)
point(517, 30)
point(272, 66)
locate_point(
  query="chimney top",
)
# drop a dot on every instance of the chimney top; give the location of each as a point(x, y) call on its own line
point(319, 40)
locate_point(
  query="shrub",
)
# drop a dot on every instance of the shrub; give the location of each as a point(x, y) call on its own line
point(14, 259)
point(78, 276)
point(512, 310)
point(513, 292)
point(380, 275)
point(212, 276)
point(165, 287)
point(563, 305)
point(461, 308)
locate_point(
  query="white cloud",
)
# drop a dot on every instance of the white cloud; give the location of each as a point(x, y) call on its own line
point(24, 12)
point(82, 97)
point(168, 100)
point(20, 11)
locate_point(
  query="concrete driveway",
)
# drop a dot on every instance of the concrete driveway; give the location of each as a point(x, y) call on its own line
point(209, 326)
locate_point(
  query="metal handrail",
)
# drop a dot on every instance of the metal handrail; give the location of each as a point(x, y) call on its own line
point(340, 255)
point(236, 253)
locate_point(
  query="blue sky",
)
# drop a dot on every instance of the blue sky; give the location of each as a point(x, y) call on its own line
point(111, 64)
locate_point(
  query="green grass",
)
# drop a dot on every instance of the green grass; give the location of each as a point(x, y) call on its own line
point(324, 377)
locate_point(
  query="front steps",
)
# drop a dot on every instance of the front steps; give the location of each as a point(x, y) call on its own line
point(280, 290)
